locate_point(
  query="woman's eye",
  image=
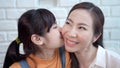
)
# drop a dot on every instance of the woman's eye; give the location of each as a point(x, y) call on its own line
point(83, 28)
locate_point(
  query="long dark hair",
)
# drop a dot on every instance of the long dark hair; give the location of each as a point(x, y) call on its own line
point(33, 21)
point(98, 22)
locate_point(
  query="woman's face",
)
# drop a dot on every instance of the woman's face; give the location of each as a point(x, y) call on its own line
point(78, 31)
point(53, 38)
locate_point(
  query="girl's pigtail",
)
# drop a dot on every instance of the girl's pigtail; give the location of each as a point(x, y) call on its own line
point(12, 54)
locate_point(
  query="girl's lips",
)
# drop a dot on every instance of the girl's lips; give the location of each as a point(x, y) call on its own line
point(61, 35)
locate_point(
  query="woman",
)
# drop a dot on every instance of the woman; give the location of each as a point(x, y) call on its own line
point(83, 36)
point(41, 38)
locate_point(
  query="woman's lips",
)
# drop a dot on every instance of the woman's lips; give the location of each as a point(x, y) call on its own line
point(70, 43)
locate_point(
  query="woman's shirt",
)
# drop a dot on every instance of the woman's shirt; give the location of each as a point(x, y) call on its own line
point(106, 59)
point(54, 62)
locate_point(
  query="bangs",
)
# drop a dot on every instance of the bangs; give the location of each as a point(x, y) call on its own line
point(47, 18)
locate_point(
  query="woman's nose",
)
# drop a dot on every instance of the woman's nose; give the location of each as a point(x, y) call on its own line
point(72, 33)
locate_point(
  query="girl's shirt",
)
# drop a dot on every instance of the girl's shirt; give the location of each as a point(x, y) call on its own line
point(54, 62)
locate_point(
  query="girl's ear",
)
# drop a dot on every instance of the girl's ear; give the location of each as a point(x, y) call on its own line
point(36, 39)
point(96, 37)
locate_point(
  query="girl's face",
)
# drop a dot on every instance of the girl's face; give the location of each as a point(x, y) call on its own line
point(78, 31)
point(53, 38)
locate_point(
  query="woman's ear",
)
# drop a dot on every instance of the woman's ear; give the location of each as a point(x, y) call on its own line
point(36, 39)
point(96, 37)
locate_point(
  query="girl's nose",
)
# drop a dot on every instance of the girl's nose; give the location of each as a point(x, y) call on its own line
point(60, 29)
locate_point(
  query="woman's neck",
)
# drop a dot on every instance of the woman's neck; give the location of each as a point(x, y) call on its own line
point(86, 57)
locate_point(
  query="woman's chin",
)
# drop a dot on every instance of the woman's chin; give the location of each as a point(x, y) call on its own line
point(69, 49)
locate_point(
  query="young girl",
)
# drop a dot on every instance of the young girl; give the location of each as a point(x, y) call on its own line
point(41, 39)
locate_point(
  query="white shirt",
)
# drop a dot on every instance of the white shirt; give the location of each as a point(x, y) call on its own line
point(106, 59)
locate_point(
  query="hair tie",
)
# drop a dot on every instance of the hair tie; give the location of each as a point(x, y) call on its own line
point(18, 40)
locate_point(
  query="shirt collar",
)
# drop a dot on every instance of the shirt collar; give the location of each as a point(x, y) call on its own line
point(100, 58)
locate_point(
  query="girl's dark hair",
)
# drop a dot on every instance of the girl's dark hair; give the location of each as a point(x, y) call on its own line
point(31, 22)
point(98, 22)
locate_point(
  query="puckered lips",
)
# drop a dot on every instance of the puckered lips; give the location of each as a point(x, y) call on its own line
point(61, 37)
point(70, 42)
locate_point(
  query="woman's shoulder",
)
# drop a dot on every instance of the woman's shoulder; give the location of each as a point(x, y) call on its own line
point(113, 58)
point(108, 58)
point(112, 54)
point(15, 65)
point(108, 53)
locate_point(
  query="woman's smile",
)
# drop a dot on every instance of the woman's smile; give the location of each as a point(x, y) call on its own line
point(70, 42)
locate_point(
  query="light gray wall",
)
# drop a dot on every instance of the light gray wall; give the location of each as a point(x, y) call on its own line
point(10, 11)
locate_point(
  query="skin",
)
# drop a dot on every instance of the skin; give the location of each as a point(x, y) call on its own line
point(48, 43)
point(53, 39)
point(78, 36)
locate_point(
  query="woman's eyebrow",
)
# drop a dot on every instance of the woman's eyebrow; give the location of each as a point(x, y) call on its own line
point(83, 24)
point(69, 20)
point(78, 23)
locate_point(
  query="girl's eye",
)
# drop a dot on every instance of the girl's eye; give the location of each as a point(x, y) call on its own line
point(67, 22)
point(55, 27)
